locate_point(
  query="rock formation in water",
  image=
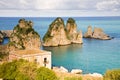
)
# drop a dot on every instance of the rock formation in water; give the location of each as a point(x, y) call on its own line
point(24, 36)
point(73, 35)
point(89, 32)
point(58, 34)
point(98, 33)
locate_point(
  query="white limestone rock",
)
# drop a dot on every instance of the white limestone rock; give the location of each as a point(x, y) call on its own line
point(76, 71)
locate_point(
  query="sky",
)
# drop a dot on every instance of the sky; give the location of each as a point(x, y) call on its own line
point(53, 8)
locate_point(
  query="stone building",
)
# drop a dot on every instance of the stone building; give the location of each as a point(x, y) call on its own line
point(40, 57)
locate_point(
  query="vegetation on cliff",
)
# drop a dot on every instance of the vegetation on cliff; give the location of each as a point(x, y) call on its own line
point(71, 20)
point(55, 24)
point(56, 34)
point(24, 70)
point(71, 29)
point(24, 36)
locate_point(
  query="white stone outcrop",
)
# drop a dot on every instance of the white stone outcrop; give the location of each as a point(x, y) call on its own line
point(60, 69)
point(96, 75)
point(76, 71)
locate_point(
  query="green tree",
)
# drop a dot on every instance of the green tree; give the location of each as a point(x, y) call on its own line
point(24, 70)
point(45, 74)
point(112, 74)
point(18, 70)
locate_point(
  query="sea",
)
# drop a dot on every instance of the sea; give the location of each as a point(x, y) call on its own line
point(93, 56)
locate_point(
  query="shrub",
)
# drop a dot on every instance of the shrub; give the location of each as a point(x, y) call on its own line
point(24, 70)
point(112, 74)
point(18, 70)
point(45, 74)
point(70, 20)
point(72, 78)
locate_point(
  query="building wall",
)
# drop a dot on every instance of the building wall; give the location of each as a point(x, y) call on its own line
point(38, 59)
point(46, 64)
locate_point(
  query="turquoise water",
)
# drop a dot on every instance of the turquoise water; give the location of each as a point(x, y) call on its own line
point(93, 55)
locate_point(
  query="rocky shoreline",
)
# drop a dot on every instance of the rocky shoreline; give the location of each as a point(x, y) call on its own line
point(63, 72)
point(5, 34)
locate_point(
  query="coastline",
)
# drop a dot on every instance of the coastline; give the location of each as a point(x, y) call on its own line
point(62, 74)
point(82, 50)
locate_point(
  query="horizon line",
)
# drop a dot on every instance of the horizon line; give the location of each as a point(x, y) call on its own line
point(61, 16)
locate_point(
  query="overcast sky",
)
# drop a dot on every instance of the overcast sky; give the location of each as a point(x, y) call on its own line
point(59, 7)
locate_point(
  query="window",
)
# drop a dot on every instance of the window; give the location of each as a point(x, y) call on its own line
point(45, 61)
point(35, 60)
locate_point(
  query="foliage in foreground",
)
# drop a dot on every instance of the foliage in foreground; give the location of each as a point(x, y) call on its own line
point(3, 53)
point(72, 78)
point(45, 74)
point(24, 70)
point(112, 74)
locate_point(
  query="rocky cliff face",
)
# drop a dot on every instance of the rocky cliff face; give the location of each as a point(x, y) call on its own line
point(98, 33)
point(1, 37)
point(24, 36)
point(73, 35)
point(58, 34)
point(4, 34)
point(7, 33)
point(89, 32)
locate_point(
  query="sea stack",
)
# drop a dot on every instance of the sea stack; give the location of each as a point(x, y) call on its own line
point(73, 35)
point(24, 36)
point(58, 34)
point(98, 33)
point(89, 32)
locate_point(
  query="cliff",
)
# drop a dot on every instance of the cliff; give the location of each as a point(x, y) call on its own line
point(1, 37)
point(24, 36)
point(73, 35)
point(4, 33)
point(89, 32)
point(7, 33)
point(58, 34)
point(98, 33)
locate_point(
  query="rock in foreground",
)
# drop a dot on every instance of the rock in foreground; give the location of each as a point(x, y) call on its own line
point(98, 33)
point(58, 34)
point(76, 71)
